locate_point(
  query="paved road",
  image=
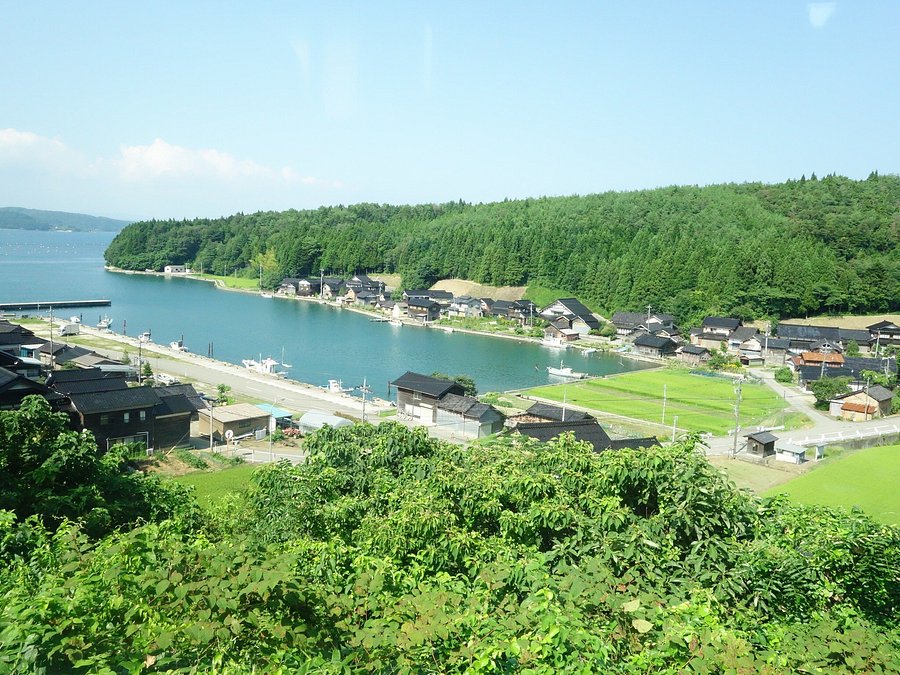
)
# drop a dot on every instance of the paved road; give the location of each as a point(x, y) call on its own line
point(207, 373)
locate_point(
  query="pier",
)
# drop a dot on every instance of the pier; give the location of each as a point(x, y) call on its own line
point(51, 304)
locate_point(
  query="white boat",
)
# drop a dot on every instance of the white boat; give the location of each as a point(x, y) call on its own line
point(178, 345)
point(104, 323)
point(588, 351)
point(267, 295)
point(447, 329)
point(266, 366)
point(566, 371)
point(395, 322)
point(337, 387)
point(554, 342)
point(74, 319)
point(144, 337)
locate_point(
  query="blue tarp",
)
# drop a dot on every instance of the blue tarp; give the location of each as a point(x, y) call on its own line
point(274, 411)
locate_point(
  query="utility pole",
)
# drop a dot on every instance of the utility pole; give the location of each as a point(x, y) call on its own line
point(674, 427)
point(321, 283)
point(737, 419)
point(664, 404)
point(212, 408)
point(52, 357)
point(365, 390)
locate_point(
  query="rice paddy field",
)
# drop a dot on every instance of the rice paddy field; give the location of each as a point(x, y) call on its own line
point(701, 403)
point(866, 478)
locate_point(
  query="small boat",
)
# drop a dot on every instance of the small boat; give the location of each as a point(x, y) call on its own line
point(104, 323)
point(178, 345)
point(337, 387)
point(554, 342)
point(144, 337)
point(447, 329)
point(566, 371)
point(395, 322)
point(267, 366)
point(74, 319)
point(588, 351)
point(266, 295)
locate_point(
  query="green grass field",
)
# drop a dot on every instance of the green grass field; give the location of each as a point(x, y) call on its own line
point(210, 486)
point(703, 404)
point(867, 478)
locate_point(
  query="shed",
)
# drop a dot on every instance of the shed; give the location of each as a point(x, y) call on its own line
point(242, 419)
point(761, 443)
point(468, 417)
point(316, 419)
point(785, 451)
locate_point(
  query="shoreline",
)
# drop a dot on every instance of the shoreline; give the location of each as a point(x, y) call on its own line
point(219, 284)
point(312, 396)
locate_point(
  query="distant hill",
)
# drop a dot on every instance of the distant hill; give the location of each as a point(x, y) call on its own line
point(15, 218)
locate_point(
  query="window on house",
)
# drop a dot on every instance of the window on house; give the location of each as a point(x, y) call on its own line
point(143, 415)
point(416, 396)
point(126, 417)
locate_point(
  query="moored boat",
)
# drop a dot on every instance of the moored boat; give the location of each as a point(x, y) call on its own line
point(567, 372)
point(266, 366)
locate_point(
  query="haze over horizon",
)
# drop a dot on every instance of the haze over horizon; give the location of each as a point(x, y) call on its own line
point(171, 111)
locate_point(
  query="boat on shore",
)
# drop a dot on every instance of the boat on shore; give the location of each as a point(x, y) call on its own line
point(566, 371)
point(144, 337)
point(554, 343)
point(266, 366)
point(104, 323)
point(395, 322)
point(178, 345)
point(337, 387)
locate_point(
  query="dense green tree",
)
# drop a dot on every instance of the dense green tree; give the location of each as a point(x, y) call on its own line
point(750, 250)
point(826, 388)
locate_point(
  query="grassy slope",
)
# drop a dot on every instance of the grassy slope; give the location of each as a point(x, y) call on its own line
point(701, 403)
point(211, 486)
point(868, 478)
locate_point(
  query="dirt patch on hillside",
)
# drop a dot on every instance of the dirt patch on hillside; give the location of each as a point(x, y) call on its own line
point(392, 281)
point(463, 287)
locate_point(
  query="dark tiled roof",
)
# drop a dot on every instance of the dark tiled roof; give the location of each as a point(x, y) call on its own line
point(806, 333)
point(555, 413)
point(633, 443)
point(583, 430)
point(776, 343)
point(763, 437)
point(83, 375)
point(653, 341)
point(859, 336)
point(172, 403)
point(121, 399)
point(743, 333)
point(883, 325)
point(694, 349)
point(425, 384)
point(860, 363)
point(87, 386)
point(466, 406)
point(721, 322)
point(187, 390)
point(813, 373)
point(423, 303)
point(880, 393)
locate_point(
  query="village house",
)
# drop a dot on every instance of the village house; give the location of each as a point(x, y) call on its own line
point(309, 287)
point(21, 365)
point(116, 416)
point(884, 333)
point(862, 405)
point(14, 387)
point(418, 395)
point(465, 306)
point(362, 282)
point(175, 269)
point(693, 355)
point(823, 338)
point(627, 323)
point(332, 287)
point(545, 412)
point(523, 312)
point(654, 345)
point(288, 286)
point(740, 335)
point(423, 309)
point(559, 332)
point(579, 317)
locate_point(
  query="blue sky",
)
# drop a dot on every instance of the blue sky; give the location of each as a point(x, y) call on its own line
point(203, 109)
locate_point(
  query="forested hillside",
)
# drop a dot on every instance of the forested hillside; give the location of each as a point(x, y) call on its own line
point(14, 218)
point(391, 552)
point(750, 250)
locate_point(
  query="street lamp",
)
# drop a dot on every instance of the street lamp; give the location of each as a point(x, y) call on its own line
point(272, 426)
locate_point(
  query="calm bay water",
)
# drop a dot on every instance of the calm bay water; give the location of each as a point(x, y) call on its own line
point(320, 343)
